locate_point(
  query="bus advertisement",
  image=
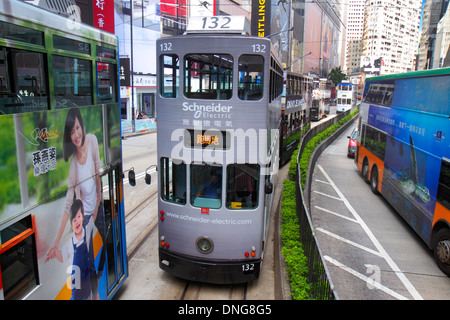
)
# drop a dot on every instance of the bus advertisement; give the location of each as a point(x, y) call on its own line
point(404, 152)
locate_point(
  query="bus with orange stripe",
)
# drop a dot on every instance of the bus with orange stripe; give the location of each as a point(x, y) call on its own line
point(403, 151)
point(62, 225)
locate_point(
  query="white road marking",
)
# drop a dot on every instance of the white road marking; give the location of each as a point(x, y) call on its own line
point(327, 195)
point(366, 279)
point(336, 214)
point(357, 245)
point(382, 252)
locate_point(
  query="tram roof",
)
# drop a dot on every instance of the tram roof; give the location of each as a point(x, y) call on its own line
point(39, 18)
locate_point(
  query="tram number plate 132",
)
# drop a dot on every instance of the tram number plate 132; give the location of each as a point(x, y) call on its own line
point(216, 23)
point(248, 267)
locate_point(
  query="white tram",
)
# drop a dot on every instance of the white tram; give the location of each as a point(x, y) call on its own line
point(219, 112)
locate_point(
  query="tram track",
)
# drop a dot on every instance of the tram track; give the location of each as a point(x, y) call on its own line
point(137, 209)
point(202, 291)
point(133, 213)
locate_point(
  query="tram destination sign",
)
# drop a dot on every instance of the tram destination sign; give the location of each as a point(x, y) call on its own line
point(219, 24)
point(206, 138)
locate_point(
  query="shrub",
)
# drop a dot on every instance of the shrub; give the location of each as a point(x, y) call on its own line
point(295, 259)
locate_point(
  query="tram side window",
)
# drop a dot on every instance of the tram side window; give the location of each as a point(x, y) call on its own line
point(443, 193)
point(72, 81)
point(170, 69)
point(18, 259)
point(251, 77)
point(208, 76)
point(173, 180)
point(106, 82)
point(242, 186)
point(23, 86)
point(206, 186)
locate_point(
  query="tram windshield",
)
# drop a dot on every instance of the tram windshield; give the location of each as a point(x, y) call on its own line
point(206, 186)
point(242, 186)
point(208, 76)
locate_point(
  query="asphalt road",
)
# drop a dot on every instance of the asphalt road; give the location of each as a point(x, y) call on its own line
point(370, 252)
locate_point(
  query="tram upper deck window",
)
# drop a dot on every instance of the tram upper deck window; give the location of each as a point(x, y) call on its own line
point(206, 186)
point(208, 76)
point(106, 82)
point(251, 81)
point(71, 45)
point(22, 81)
point(72, 81)
point(170, 69)
point(242, 186)
point(173, 180)
point(18, 33)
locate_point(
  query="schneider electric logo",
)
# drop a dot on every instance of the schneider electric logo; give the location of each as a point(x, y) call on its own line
point(214, 110)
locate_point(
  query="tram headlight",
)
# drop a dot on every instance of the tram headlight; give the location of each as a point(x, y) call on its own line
point(204, 245)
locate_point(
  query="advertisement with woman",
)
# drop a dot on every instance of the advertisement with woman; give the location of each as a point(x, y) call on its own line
point(53, 161)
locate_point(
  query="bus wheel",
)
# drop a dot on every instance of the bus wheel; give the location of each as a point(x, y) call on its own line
point(441, 249)
point(365, 170)
point(374, 180)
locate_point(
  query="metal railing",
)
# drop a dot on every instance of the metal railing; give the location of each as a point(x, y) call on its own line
point(318, 277)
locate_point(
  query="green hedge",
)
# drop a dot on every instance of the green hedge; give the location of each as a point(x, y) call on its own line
point(295, 259)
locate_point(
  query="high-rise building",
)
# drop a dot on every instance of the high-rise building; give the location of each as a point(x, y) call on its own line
point(391, 34)
point(433, 11)
point(353, 35)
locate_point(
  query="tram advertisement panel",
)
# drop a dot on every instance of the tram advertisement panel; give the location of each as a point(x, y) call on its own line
point(413, 149)
point(50, 165)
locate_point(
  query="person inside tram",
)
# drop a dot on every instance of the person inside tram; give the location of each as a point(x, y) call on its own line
point(211, 187)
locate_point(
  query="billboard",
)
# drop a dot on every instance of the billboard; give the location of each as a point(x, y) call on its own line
point(103, 11)
point(371, 65)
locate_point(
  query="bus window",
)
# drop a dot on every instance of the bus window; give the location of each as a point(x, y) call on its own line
point(173, 180)
point(242, 186)
point(206, 186)
point(72, 82)
point(18, 260)
point(251, 77)
point(208, 76)
point(375, 141)
point(106, 84)
point(389, 95)
point(170, 69)
point(443, 193)
point(22, 82)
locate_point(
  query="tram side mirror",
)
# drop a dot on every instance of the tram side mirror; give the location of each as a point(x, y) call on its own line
point(131, 178)
point(268, 188)
point(148, 178)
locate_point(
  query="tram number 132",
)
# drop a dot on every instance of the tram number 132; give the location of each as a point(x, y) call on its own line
point(248, 267)
point(216, 22)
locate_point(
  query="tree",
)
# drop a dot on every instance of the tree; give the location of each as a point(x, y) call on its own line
point(336, 75)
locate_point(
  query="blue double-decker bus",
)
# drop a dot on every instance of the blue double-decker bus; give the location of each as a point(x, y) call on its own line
point(403, 151)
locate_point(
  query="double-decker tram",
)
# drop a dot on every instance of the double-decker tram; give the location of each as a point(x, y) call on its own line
point(346, 96)
point(296, 103)
point(403, 151)
point(62, 230)
point(219, 111)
